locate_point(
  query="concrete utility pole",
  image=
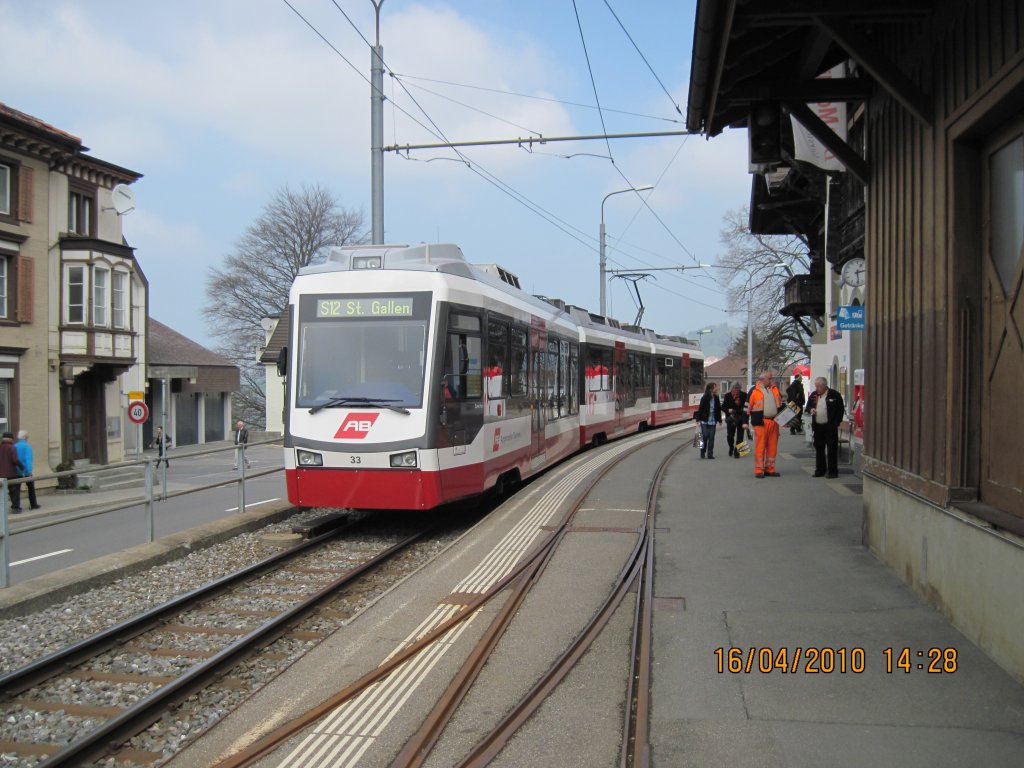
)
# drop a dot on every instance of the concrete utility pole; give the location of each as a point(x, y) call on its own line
point(377, 132)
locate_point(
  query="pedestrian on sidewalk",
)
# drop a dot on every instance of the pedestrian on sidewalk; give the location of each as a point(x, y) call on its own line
point(827, 409)
point(797, 399)
point(161, 442)
point(10, 467)
point(241, 440)
point(709, 416)
point(24, 450)
point(733, 407)
point(763, 404)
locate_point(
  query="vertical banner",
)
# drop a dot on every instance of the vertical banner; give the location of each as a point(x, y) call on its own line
point(833, 114)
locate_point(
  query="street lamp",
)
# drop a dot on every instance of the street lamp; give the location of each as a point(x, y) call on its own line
point(603, 263)
point(700, 336)
point(750, 319)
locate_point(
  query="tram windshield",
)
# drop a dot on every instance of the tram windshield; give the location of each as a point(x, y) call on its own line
point(373, 358)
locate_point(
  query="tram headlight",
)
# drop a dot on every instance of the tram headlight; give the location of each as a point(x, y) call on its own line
point(407, 459)
point(308, 458)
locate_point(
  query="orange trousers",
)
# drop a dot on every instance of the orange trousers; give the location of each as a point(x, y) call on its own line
point(766, 445)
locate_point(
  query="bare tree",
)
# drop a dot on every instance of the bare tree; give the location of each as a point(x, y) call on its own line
point(758, 267)
point(294, 230)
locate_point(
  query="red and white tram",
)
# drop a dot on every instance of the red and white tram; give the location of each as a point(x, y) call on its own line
point(416, 378)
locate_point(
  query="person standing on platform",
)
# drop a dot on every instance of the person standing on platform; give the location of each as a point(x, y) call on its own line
point(24, 450)
point(161, 442)
point(763, 405)
point(10, 467)
point(241, 440)
point(795, 395)
point(827, 409)
point(709, 416)
point(733, 407)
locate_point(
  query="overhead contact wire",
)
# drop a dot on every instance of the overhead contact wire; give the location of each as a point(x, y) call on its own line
point(593, 83)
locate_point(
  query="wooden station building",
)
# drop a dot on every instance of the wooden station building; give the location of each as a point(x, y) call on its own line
point(931, 197)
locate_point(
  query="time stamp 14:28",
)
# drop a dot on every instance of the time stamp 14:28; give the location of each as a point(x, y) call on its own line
point(827, 660)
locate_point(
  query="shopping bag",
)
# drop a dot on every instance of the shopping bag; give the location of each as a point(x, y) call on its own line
point(785, 416)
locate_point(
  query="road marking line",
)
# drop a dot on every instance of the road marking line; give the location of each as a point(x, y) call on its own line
point(42, 557)
point(255, 504)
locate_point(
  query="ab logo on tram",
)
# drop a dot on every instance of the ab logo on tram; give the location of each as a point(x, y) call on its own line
point(356, 426)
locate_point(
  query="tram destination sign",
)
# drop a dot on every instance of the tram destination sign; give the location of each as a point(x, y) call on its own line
point(392, 306)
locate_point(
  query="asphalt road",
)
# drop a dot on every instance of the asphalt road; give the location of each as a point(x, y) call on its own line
point(68, 543)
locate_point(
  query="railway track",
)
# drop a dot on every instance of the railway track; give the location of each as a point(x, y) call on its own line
point(514, 587)
point(168, 653)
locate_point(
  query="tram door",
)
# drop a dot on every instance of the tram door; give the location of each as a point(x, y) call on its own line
point(620, 384)
point(538, 389)
point(461, 401)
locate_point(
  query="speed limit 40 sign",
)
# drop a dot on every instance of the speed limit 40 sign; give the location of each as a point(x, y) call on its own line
point(138, 412)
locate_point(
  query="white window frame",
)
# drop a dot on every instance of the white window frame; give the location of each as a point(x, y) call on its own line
point(100, 296)
point(80, 205)
point(5, 272)
point(119, 314)
point(5, 189)
point(68, 268)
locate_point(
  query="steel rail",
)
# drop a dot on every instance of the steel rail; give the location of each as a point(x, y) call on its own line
point(150, 709)
point(492, 744)
point(18, 680)
point(267, 743)
point(636, 747)
point(419, 747)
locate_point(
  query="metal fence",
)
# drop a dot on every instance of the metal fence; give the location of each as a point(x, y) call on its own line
point(148, 497)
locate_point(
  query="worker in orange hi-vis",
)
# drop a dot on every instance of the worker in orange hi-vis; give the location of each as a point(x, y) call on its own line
point(763, 405)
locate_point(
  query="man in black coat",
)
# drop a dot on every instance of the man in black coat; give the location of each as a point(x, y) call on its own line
point(827, 410)
point(795, 395)
point(733, 406)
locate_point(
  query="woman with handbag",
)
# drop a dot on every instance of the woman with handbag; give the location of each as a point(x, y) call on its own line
point(709, 416)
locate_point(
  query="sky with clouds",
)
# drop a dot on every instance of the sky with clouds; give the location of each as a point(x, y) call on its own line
point(219, 104)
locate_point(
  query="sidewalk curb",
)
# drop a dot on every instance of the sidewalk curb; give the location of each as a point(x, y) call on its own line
point(44, 591)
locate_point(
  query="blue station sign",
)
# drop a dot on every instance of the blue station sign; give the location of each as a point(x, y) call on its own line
point(850, 318)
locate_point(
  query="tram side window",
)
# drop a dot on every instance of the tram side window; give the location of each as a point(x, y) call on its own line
point(537, 375)
point(645, 369)
point(630, 379)
point(697, 374)
point(520, 363)
point(574, 377)
point(462, 357)
point(669, 380)
point(564, 382)
point(599, 369)
point(496, 370)
point(552, 380)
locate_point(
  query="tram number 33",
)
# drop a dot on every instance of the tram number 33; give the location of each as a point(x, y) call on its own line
point(827, 660)
point(355, 459)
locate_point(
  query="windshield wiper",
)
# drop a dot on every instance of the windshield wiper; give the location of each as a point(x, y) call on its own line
point(364, 402)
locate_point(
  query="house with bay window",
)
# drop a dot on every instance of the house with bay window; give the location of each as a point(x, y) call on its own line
point(73, 298)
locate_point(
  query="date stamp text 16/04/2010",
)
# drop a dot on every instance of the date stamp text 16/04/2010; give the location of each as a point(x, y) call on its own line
point(828, 660)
